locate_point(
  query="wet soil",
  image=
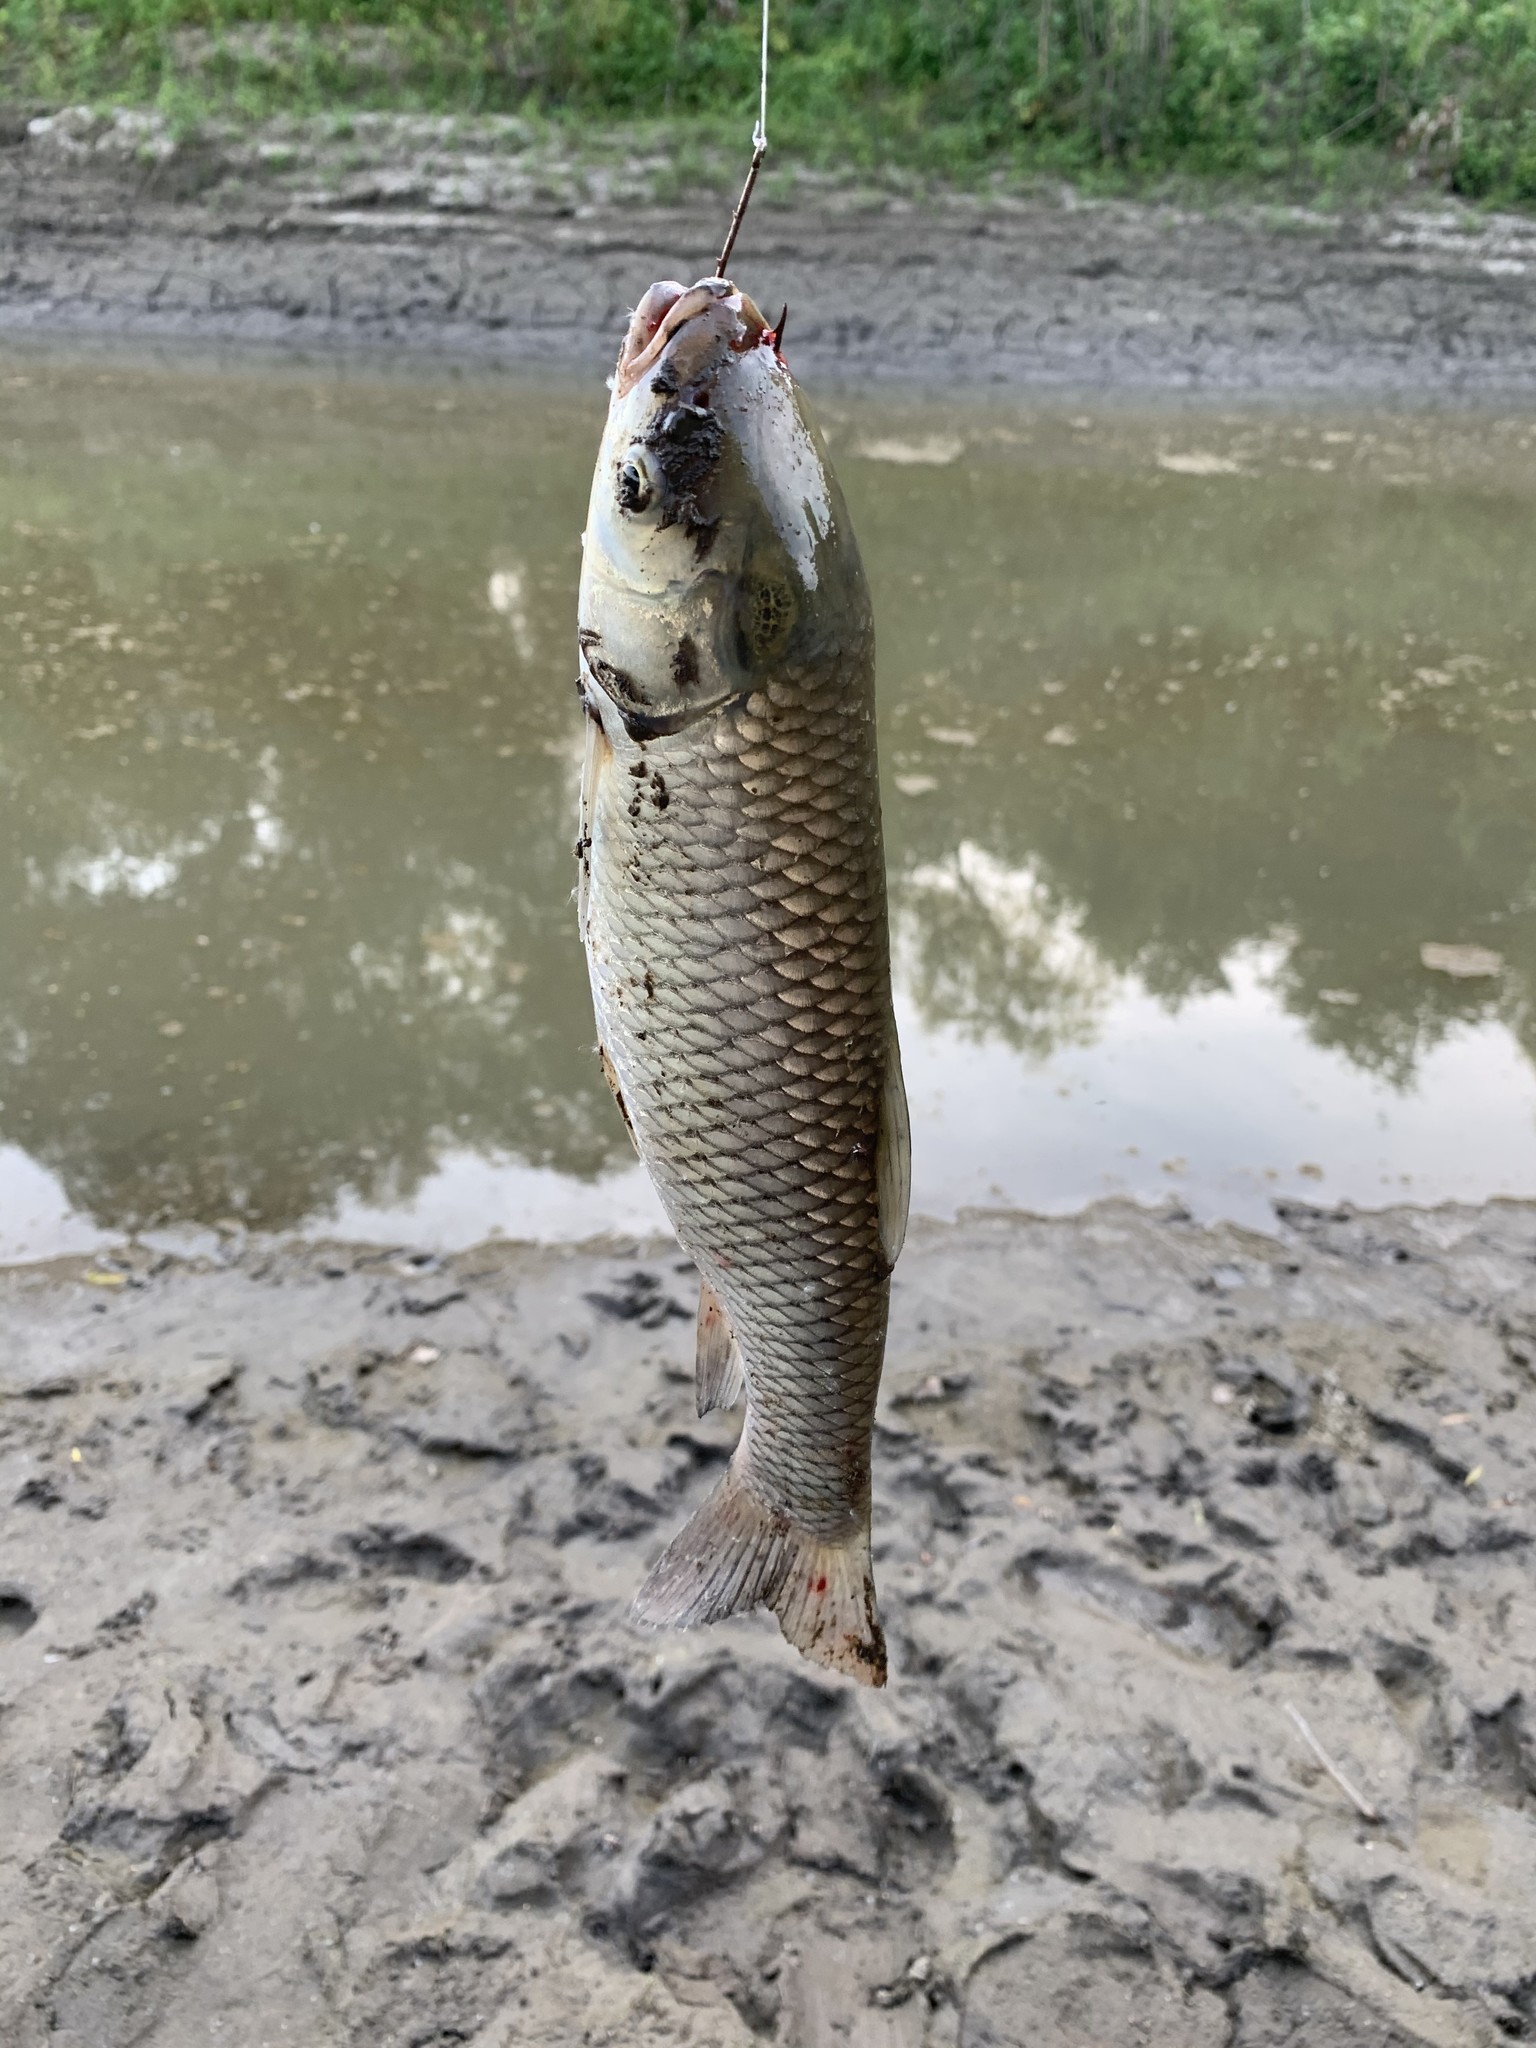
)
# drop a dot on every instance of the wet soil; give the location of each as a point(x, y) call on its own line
point(465, 241)
point(321, 1720)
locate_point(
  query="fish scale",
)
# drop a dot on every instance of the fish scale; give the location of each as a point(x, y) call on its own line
point(660, 910)
point(734, 915)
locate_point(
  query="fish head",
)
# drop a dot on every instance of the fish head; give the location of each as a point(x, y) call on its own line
point(717, 547)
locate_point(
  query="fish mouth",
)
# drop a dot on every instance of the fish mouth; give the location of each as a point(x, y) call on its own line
point(711, 311)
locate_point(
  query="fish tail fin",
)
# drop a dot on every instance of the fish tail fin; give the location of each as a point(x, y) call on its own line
point(826, 1605)
point(735, 1554)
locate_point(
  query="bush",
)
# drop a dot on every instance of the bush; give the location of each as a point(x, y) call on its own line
point(1138, 86)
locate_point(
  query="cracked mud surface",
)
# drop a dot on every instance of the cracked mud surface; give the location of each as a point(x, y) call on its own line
point(461, 239)
point(321, 1720)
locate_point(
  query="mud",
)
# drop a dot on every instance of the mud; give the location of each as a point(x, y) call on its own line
point(470, 240)
point(321, 1720)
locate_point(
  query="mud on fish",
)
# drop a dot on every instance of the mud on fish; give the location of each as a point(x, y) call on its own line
point(732, 904)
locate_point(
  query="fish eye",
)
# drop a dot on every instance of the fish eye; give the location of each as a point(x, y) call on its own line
point(634, 486)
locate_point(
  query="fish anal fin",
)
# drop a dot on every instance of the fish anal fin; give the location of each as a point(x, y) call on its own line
point(894, 1155)
point(720, 1378)
point(735, 1554)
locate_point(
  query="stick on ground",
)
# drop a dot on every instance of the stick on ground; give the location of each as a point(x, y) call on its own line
point(1357, 1799)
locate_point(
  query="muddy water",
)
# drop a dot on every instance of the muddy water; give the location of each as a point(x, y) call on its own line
point(1197, 731)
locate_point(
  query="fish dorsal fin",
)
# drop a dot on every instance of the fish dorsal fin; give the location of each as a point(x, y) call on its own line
point(719, 1374)
point(894, 1162)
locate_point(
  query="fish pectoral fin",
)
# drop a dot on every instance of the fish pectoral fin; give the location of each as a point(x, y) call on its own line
point(610, 1075)
point(597, 758)
point(721, 1380)
point(893, 1180)
point(735, 1554)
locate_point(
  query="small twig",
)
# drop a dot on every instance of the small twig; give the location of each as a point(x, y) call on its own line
point(1398, 1959)
point(760, 150)
point(1357, 1799)
point(1354, 121)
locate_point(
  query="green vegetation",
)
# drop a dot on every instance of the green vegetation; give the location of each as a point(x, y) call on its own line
point(1299, 91)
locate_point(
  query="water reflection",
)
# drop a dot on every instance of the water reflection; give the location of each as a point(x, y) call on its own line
point(287, 760)
point(1166, 830)
point(284, 850)
point(995, 950)
point(1292, 699)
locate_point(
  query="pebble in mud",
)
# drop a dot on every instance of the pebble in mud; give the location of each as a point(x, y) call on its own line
point(329, 1724)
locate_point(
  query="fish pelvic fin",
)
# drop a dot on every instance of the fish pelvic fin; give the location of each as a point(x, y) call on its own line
point(720, 1379)
point(611, 1076)
point(735, 1554)
point(894, 1177)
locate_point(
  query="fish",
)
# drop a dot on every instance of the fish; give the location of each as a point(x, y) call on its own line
point(731, 894)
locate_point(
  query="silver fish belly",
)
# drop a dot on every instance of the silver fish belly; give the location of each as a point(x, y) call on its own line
point(734, 916)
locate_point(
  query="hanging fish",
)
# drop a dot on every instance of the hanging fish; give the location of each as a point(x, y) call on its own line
point(732, 904)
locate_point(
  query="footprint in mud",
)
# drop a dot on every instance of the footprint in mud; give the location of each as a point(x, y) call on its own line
point(641, 1298)
point(17, 1613)
point(1078, 1982)
point(395, 1552)
point(1231, 1615)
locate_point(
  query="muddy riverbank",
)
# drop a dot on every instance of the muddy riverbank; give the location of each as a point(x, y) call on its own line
point(465, 240)
point(321, 1720)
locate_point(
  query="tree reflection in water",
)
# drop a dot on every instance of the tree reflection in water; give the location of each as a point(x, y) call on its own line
point(285, 846)
point(287, 762)
point(1286, 705)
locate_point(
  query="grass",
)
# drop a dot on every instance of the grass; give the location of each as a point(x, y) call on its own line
point(1293, 93)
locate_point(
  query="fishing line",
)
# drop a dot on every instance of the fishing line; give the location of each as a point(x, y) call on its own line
point(759, 151)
